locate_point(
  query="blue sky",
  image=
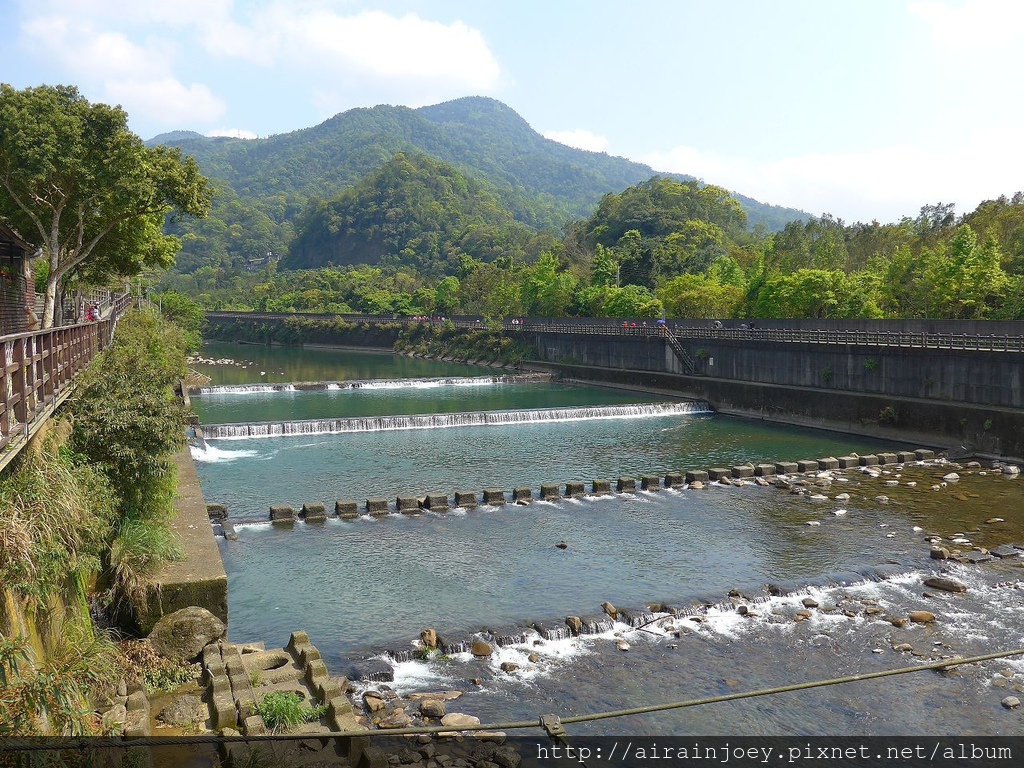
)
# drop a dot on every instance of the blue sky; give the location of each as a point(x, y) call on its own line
point(865, 109)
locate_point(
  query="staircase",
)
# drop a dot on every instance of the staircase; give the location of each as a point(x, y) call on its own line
point(681, 354)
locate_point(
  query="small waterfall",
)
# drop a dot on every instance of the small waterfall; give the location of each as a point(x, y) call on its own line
point(243, 389)
point(636, 617)
point(553, 631)
point(370, 384)
point(503, 636)
point(448, 420)
point(595, 624)
point(375, 670)
point(404, 653)
point(453, 645)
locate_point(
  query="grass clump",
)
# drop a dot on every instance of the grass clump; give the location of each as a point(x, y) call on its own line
point(281, 711)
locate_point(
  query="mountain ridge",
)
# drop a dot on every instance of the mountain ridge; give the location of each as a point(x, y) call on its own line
point(479, 135)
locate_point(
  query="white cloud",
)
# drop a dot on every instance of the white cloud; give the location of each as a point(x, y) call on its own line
point(165, 101)
point(580, 138)
point(333, 58)
point(885, 183)
point(234, 133)
point(974, 23)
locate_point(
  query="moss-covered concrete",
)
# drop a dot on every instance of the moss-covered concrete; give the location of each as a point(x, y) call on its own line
point(200, 578)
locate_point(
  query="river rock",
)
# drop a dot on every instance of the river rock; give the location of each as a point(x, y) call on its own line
point(183, 711)
point(1011, 469)
point(183, 634)
point(481, 649)
point(952, 477)
point(508, 667)
point(459, 719)
point(429, 638)
point(609, 609)
point(810, 602)
point(533, 658)
point(622, 645)
point(574, 623)
point(922, 617)
point(945, 583)
point(562, 544)
point(373, 701)
point(397, 718)
point(939, 553)
point(1010, 702)
point(432, 708)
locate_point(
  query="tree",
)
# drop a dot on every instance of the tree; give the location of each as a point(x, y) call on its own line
point(75, 182)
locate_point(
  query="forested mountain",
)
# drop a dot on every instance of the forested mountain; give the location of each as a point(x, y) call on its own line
point(542, 183)
point(414, 211)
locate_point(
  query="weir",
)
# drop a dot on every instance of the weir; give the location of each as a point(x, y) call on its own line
point(448, 420)
point(369, 384)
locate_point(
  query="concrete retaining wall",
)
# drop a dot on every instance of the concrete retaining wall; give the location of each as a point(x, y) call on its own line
point(976, 378)
point(200, 578)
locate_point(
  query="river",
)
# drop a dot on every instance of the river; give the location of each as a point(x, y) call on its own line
point(370, 585)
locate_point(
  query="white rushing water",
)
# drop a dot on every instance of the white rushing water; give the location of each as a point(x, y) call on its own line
point(448, 420)
point(360, 384)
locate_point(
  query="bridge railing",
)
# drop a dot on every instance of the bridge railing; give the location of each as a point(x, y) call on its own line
point(951, 341)
point(38, 369)
point(609, 327)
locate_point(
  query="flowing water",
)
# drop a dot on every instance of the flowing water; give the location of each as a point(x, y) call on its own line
point(367, 587)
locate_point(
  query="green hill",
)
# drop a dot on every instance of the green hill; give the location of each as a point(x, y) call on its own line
point(412, 211)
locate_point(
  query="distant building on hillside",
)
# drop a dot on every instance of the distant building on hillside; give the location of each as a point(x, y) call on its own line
point(17, 291)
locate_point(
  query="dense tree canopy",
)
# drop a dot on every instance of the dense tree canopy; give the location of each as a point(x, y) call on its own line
point(415, 212)
point(75, 182)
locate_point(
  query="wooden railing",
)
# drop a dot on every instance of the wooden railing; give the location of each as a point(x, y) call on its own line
point(38, 370)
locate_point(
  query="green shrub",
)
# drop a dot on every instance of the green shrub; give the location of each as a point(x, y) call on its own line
point(281, 711)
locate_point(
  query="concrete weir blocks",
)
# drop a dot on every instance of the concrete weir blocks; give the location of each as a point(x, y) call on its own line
point(870, 460)
point(764, 470)
point(626, 485)
point(601, 487)
point(282, 514)
point(674, 480)
point(717, 473)
point(436, 502)
point(650, 483)
point(905, 457)
point(346, 509)
point(494, 496)
point(923, 454)
point(697, 476)
point(465, 499)
point(376, 507)
point(807, 465)
point(522, 495)
point(887, 458)
point(407, 504)
point(313, 513)
point(746, 470)
point(845, 462)
point(574, 490)
point(549, 491)
point(786, 467)
point(829, 462)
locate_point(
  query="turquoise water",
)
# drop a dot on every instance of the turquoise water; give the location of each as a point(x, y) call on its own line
point(484, 395)
point(267, 364)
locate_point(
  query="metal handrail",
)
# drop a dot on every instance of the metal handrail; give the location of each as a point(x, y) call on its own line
point(907, 339)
